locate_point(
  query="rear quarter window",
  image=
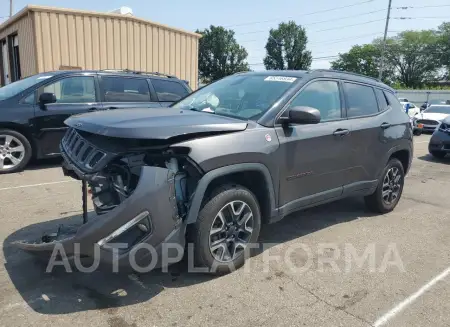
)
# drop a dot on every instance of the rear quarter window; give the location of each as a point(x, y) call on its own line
point(393, 101)
point(169, 91)
point(382, 101)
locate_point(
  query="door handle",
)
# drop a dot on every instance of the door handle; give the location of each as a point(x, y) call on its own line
point(111, 108)
point(385, 125)
point(92, 109)
point(341, 132)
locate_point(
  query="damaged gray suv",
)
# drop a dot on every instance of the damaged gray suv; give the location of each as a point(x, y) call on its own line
point(244, 151)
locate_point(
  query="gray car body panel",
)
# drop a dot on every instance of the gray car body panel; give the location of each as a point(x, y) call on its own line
point(152, 194)
point(154, 123)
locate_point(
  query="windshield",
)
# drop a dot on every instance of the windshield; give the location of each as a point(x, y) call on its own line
point(15, 88)
point(438, 109)
point(240, 96)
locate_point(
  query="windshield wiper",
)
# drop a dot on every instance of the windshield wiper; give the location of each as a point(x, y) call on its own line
point(203, 110)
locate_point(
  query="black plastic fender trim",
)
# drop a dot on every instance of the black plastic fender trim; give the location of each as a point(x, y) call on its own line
point(227, 170)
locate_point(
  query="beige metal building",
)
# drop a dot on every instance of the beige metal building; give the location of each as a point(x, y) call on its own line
point(39, 39)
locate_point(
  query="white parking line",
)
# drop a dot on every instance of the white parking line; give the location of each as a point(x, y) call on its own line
point(33, 185)
point(402, 305)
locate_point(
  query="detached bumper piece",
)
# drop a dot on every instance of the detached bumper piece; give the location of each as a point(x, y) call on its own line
point(147, 217)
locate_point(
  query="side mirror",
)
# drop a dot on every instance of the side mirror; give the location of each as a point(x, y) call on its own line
point(46, 98)
point(303, 115)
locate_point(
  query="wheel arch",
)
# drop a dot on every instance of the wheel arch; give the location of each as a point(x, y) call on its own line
point(22, 130)
point(254, 176)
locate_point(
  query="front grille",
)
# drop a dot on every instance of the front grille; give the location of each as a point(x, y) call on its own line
point(80, 151)
point(427, 122)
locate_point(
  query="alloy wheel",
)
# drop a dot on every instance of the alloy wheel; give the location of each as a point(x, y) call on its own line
point(12, 152)
point(231, 231)
point(391, 185)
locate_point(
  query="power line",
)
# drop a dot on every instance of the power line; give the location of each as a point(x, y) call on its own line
point(432, 17)
point(345, 26)
point(334, 40)
point(320, 22)
point(421, 7)
point(303, 15)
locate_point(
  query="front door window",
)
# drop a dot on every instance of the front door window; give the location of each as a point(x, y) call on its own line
point(77, 89)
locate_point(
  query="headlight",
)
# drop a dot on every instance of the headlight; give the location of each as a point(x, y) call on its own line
point(444, 127)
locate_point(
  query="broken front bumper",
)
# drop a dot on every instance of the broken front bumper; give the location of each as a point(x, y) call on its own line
point(152, 201)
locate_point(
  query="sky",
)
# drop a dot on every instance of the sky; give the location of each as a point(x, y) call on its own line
point(332, 27)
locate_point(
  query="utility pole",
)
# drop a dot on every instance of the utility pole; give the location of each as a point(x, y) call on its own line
point(383, 51)
point(10, 8)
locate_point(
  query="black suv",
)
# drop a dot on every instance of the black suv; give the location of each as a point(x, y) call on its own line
point(246, 150)
point(33, 110)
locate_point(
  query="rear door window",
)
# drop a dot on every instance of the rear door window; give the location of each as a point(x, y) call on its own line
point(361, 100)
point(123, 89)
point(169, 91)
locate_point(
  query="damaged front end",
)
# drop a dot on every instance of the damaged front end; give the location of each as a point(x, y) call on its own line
point(140, 191)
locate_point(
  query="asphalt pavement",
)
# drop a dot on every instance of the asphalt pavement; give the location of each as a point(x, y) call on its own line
point(334, 265)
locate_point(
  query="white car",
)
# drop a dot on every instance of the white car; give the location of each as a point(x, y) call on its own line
point(432, 117)
point(413, 109)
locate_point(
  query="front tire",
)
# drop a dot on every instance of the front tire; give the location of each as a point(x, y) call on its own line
point(228, 222)
point(438, 154)
point(389, 189)
point(15, 151)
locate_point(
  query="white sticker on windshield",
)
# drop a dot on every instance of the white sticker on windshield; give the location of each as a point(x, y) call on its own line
point(280, 79)
point(43, 77)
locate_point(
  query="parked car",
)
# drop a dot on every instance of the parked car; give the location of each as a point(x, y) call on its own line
point(431, 117)
point(246, 150)
point(33, 110)
point(439, 145)
point(412, 110)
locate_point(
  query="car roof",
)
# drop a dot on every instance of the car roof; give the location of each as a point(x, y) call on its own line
point(322, 73)
point(124, 73)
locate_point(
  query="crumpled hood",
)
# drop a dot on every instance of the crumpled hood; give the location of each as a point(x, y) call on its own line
point(153, 123)
point(432, 116)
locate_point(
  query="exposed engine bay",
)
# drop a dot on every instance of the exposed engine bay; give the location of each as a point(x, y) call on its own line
point(114, 177)
point(118, 180)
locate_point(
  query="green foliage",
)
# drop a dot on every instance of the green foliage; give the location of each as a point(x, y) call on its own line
point(364, 59)
point(444, 45)
point(219, 54)
point(398, 86)
point(413, 59)
point(414, 56)
point(286, 48)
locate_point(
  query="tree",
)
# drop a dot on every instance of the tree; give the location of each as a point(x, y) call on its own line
point(363, 59)
point(286, 48)
point(219, 54)
point(444, 45)
point(414, 56)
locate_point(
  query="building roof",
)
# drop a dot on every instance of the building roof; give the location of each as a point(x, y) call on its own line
point(31, 8)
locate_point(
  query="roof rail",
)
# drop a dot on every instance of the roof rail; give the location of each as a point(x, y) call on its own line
point(345, 72)
point(137, 72)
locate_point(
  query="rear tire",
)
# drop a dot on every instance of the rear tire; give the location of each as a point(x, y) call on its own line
point(15, 151)
point(217, 221)
point(438, 154)
point(389, 189)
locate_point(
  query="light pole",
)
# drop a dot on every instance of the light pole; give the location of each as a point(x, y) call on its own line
point(384, 41)
point(280, 44)
point(10, 8)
